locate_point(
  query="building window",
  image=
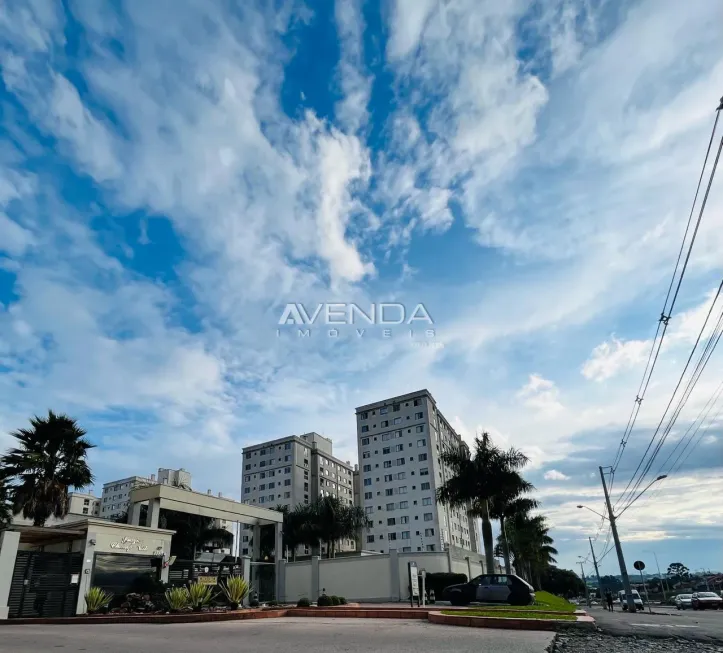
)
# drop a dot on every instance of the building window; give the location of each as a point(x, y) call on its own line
point(404, 520)
point(262, 500)
point(85, 511)
point(403, 504)
point(262, 475)
point(400, 461)
point(262, 452)
point(403, 489)
point(417, 402)
point(389, 492)
point(247, 490)
point(422, 457)
point(422, 443)
point(262, 486)
point(387, 464)
point(385, 423)
point(367, 482)
point(418, 415)
point(399, 447)
point(287, 470)
point(391, 521)
point(386, 450)
point(262, 463)
point(365, 429)
point(390, 506)
point(306, 487)
point(430, 547)
point(406, 549)
point(368, 495)
point(405, 535)
point(287, 495)
point(427, 501)
point(384, 410)
point(287, 459)
point(370, 539)
point(397, 420)
point(248, 467)
point(420, 428)
point(369, 510)
point(425, 486)
point(428, 532)
point(392, 536)
point(428, 516)
point(364, 415)
point(424, 471)
point(271, 497)
point(287, 482)
point(287, 446)
point(366, 454)
point(367, 468)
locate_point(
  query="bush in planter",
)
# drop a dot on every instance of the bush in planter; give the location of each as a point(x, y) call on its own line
point(254, 603)
point(335, 600)
point(200, 595)
point(235, 590)
point(178, 599)
point(141, 603)
point(97, 600)
point(303, 603)
point(324, 601)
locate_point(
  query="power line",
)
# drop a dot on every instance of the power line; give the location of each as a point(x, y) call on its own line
point(667, 311)
point(711, 344)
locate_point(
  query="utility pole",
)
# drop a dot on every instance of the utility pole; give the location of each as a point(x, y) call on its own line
point(584, 582)
point(597, 573)
point(663, 581)
point(618, 548)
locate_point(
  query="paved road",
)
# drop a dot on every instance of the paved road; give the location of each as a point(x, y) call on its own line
point(705, 626)
point(272, 636)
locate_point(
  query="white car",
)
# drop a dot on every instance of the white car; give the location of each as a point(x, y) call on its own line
point(636, 598)
point(683, 601)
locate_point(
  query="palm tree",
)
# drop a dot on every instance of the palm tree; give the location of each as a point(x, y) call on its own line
point(192, 532)
point(477, 479)
point(333, 520)
point(506, 505)
point(50, 459)
point(531, 546)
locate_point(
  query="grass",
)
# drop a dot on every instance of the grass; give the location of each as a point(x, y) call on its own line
point(511, 614)
point(544, 601)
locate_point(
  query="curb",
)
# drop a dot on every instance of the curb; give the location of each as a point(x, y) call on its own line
point(509, 623)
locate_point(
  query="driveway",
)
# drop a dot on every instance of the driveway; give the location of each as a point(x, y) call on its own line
point(703, 626)
point(272, 636)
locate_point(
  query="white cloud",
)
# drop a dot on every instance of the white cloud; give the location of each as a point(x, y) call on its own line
point(554, 475)
point(613, 356)
point(408, 19)
point(541, 395)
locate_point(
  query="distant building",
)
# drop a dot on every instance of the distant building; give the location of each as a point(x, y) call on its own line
point(400, 440)
point(80, 503)
point(114, 500)
point(294, 470)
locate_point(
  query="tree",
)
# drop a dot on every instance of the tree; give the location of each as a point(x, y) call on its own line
point(531, 546)
point(562, 582)
point(508, 504)
point(192, 532)
point(50, 459)
point(678, 571)
point(477, 479)
point(333, 520)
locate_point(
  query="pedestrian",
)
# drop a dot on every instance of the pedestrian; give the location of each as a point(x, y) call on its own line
point(609, 600)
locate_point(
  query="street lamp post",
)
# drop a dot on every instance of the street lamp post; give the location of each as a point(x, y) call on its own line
point(597, 572)
point(584, 582)
point(614, 528)
point(663, 581)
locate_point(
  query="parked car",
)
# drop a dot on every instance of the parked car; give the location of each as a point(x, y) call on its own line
point(636, 598)
point(683, 601)
point(705, 601)
point(492, 588)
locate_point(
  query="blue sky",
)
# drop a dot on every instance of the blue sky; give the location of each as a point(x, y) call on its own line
point(173, 174)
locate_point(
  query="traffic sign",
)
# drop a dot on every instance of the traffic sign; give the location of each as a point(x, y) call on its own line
point(639, 565)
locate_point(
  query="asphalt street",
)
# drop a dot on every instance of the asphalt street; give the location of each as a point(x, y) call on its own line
point(272, 636)
point(704, 626)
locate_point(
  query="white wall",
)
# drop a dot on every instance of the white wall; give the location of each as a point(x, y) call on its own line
point(357, 579)
point(298, 581)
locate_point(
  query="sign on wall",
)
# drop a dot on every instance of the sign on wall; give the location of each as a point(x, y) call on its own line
point(413, 582)
point(207, 580)
point(129, 544)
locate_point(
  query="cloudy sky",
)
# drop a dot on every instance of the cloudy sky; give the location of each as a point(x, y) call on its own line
point(173, 174)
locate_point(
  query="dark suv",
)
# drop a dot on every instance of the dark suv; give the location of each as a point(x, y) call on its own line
point(494, 588)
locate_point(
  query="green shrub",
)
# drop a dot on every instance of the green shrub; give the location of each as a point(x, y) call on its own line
point(335, 600)
point(97, 599)
point(178, 599)
point(200, 595)
point(324, 601)
point(342, 600)
point(254, 603)
point(303, 603)
point(235, 589)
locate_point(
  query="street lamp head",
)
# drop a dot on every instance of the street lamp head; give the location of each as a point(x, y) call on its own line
point(581, 506)
point(661, 477)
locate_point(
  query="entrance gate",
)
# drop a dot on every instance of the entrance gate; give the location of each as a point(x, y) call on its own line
point(263, 581)
point(42, 584)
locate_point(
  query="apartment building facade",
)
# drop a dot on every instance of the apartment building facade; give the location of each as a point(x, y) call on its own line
point(400, 440)
point(116, 494)
point(294, 470)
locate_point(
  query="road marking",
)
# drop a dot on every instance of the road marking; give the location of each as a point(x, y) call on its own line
point(666, 625)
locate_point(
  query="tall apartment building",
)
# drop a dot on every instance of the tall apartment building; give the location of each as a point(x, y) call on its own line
point(115, 497)
point(294, 470)
point(79, 503)
point(400, 440)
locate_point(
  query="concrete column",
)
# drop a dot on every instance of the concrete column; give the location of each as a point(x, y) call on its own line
point(314, 578)
point(165, 571)
point(9, 541)
point(280, 563)
point(86, 572)
point(394, 574)
point(154, 511)
point(246, 573)
point(134, 514)
point(469, 569)
point(256, 549)
point(449, 559)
